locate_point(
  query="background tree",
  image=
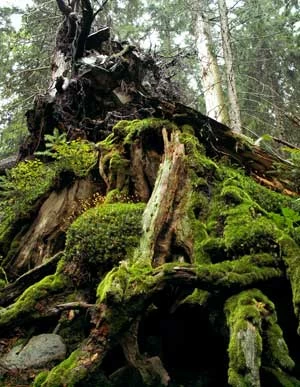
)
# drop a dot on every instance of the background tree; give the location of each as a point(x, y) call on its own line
point(268, 98)
point(266, 43)
point(210, 73)
point(234, 109)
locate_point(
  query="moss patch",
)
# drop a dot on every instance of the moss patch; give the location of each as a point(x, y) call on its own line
point(252, 321)
point(27, 303)
point(104, 235)
point(67, 373)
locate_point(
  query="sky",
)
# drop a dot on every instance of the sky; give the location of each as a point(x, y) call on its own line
point(16, 19)
point(19, 3)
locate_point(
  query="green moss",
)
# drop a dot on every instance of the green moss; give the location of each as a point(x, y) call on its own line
point(116, 162)
point(67, 373)
point(29, 180)
point(254, 331)
point(195, 152)
point(114, 165)
point(124, 290)
point(187, 129)
point(73, 331)
point(40, 378)
point(3, 278)
point(77, 156)
point(105, 234)
point(290, 252)
point(26, 182)
point(246, 230)
point(235, 194)
point(117, 196)
point(198, 297)
point(19, 190)
point(111, 284)
point(243, 272)
point(2, 283)
point(278, 378)
point(122, 281)
point(245, 345)
point(214, 249)
point(276, 353)
point(128, 131)
point(262, 196)
point(27, 302)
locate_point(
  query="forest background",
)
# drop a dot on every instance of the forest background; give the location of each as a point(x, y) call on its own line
point(263, 37)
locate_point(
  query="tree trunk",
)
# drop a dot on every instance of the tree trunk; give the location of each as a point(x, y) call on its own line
point(234, 110)
point(210, 74)
point(138, 240)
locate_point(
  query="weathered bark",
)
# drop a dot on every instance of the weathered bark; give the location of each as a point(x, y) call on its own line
point(47, 232)
point(234, 110)
point(210, 74)
point(211, 243)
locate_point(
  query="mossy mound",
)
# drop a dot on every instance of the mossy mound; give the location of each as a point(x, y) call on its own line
point(104, 235)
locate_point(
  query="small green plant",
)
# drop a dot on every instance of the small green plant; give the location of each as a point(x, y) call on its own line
point(78, 156)
point(287, 220)
point(291, 170)
point(52, 142)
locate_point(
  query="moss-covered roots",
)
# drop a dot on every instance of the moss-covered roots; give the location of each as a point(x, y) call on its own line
point(172, 218)
point(254, 331)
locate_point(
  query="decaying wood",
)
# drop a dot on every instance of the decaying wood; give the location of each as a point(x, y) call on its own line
point(151, 369)
point(97, 82)
point(162, 217)
point(8, 163)
point(49, 226)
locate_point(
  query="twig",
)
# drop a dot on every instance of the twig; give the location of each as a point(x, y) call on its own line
point(280, 141)
point(100, 8)
point(74, 305)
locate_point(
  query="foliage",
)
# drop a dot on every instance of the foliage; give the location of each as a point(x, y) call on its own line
point(24, 65)
point(52, 142)
point(266, 40)
point(77, 156)
point(288, 219)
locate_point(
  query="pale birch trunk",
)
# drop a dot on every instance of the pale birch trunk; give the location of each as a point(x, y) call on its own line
point(210, 73)
point(234, 110)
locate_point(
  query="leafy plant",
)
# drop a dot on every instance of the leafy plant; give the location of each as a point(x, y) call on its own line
point(78, 156)
point(52, 142)
point(287, 220)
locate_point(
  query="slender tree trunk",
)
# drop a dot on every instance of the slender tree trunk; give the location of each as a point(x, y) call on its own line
point(210, 73)
point(234, 110)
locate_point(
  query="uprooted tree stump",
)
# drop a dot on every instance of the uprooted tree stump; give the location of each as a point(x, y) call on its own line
point(148, 236)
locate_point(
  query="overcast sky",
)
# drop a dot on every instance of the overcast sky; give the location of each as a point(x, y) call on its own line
point(19, 3)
